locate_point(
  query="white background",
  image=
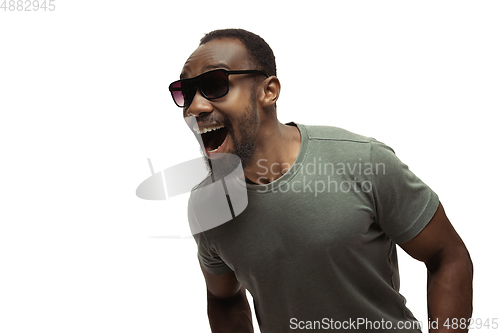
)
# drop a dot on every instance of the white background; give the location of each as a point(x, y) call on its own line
point(84, 103)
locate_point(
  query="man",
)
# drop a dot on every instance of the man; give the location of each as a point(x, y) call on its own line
point(316, 244)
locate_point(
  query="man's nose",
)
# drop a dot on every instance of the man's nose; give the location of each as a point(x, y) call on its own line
point(199, 105)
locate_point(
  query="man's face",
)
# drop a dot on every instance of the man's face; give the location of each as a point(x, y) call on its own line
point(229, 124)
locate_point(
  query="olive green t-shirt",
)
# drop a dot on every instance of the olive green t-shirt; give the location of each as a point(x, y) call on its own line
point(316, 248)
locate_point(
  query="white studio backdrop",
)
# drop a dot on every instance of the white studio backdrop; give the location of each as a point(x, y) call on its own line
point(84, 103)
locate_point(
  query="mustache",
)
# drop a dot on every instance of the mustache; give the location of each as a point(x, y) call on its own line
point(210, 119)
point(213, 119)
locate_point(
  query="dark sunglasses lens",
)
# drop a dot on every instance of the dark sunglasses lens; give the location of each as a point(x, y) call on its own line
point(214, 84)
point(175, 89)
point(182, 92)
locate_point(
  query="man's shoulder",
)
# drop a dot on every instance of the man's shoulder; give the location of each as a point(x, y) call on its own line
point(317, 132)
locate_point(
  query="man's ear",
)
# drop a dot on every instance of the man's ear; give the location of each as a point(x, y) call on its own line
point(270, 91)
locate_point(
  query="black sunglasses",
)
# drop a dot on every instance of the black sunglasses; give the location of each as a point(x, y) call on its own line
point(213, 84)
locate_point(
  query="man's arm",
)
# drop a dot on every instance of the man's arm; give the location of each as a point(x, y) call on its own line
point(228, 309)
point(449, 272)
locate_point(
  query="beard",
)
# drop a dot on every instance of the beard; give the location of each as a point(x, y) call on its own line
point(243, 145)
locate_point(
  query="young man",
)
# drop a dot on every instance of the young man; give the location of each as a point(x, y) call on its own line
point(316, 244)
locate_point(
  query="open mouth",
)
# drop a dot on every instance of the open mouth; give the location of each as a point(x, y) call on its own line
point(213, 138)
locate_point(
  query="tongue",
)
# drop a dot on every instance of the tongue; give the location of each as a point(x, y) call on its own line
point(213, 139)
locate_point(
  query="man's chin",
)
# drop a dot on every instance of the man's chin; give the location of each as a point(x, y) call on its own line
point(222, 165)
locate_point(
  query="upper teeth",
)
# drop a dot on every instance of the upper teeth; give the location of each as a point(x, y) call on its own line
point(208, 129)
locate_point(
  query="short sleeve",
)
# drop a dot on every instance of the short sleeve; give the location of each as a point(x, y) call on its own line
point(208, 258)
point(404, 204)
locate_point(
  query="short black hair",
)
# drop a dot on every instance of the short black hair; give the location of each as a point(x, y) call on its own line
point(259, 51)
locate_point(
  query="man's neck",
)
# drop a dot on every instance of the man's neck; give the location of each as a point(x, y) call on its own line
point(275, 152)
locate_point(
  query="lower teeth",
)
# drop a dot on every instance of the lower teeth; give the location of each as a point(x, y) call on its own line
point(211, 151)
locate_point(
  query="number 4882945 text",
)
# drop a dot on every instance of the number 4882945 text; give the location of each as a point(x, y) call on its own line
point(28, 5)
